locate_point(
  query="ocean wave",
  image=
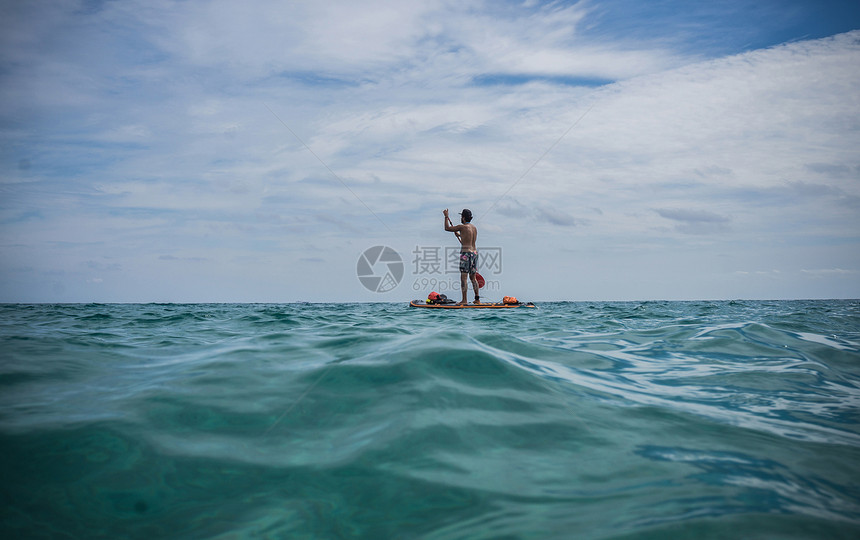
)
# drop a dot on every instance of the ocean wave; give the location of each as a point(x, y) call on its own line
point(380, 421)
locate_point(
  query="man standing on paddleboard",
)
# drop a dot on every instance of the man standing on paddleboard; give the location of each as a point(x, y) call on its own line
point(467, 234)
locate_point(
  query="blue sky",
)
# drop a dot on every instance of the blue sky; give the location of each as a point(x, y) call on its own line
point(611, 150)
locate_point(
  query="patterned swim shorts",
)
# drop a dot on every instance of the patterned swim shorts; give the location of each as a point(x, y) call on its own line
point(468, 262)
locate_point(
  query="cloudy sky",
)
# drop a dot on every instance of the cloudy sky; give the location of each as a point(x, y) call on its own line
point(196, 151)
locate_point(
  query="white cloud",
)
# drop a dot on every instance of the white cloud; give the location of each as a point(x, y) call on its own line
point(825, 272)
point(164, 146)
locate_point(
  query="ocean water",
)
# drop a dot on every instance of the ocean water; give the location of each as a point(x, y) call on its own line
point(575, 420)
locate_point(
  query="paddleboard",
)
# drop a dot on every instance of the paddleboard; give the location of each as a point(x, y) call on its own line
point(487, 305)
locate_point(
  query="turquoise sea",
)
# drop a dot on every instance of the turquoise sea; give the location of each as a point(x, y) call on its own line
point(576, 420)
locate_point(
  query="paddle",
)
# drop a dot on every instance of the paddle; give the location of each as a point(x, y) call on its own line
point(478, 277)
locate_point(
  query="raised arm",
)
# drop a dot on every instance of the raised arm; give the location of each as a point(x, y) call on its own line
point(450, 227)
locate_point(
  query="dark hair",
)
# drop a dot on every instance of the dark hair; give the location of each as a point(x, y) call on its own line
point(467, 215)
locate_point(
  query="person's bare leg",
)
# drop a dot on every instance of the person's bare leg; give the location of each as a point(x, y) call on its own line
point(463, 287)
point(475, 287)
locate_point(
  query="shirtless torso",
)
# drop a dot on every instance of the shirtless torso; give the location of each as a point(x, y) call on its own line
point(466, 233)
